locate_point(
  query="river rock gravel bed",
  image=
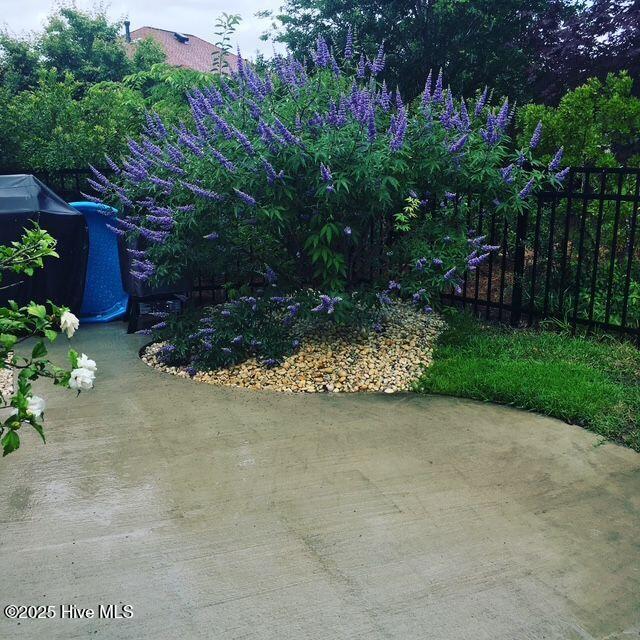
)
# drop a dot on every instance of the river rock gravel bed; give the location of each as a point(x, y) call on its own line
point(337, 360)
point(6, 381)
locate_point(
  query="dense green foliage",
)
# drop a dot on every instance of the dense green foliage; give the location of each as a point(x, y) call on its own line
point(476, 43)
point(71, 95)
point(19, 65)
point(60, 124)
point(527, 49)
point(484, 42)
point(147, 54)
point(589, 382)
point(298, 175)
point(84, 44)
point(597, 124)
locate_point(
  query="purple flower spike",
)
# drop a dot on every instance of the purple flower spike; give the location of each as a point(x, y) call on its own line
point(417, 296)
point(526, 191)
point(285, 133)
point(362, 67)
point(271, 276)
point(377, 66)
point(272, 176)
point(118, 232)
point(438, 94)
point(327, 304)
point(482, 101)
point(507, 174)
point(449, 275)
point(537, 136)
point(322, 52)
point(464, 116)
point(202, 192)
point(90, 198)
point(503, 116)
point(459, 144)
point(348, 49)
point(214, 235)
point(325, 174)
point(223, 160)
point(560, 177)
point(245, 197)
point(554, 165)
point(334, 67)
point(478, 260)
point(393, 286)
point(426, 96)
point(398, 130)
point(421, 264)
point(385, 97)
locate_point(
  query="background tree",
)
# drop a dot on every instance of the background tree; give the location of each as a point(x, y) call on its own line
point(600, 37)
point(477, 43)
point(86, 44)
point(148, 52)
point(19, 63)
point(62, 125)
point(164, 89)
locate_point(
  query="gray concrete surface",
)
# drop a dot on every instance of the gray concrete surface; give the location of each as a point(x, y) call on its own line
point(230, 514)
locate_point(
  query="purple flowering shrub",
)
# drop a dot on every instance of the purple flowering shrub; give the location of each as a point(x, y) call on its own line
point(224, 335)
point(318, 174)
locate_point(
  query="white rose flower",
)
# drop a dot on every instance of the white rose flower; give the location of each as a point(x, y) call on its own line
point(85, 362)
point(36, 406)
point(81, 378)
point(69, 323)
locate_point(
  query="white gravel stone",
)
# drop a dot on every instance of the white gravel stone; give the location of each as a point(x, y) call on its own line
point(6, 382)
point(338, 360)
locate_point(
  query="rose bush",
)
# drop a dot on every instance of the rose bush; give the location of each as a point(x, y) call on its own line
point(19, 406)
point(318, 175)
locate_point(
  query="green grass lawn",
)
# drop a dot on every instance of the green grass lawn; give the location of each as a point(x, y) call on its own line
point(591, 382)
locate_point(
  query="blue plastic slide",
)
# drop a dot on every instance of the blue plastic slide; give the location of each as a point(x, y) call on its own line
point(104, 297)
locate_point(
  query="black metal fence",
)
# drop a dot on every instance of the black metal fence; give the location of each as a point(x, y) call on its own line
point(575, 258)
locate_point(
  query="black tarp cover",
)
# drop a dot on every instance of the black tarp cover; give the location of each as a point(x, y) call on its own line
point(23, 200)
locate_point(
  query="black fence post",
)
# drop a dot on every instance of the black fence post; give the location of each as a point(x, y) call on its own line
point(518, 268)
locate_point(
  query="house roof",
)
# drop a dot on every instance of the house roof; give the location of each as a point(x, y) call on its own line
point(195, 53)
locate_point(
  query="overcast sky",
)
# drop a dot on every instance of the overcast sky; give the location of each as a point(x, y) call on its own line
point(188, 16)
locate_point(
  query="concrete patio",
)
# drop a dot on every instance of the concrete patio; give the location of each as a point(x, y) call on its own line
point(228, 514)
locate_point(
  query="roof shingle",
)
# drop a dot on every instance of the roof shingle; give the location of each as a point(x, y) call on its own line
point(196, 53)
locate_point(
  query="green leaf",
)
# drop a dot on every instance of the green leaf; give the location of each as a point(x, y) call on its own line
point(10, 442)
point(40, 429)
point(39, 351)
point(7, 340)
point(37, 310)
